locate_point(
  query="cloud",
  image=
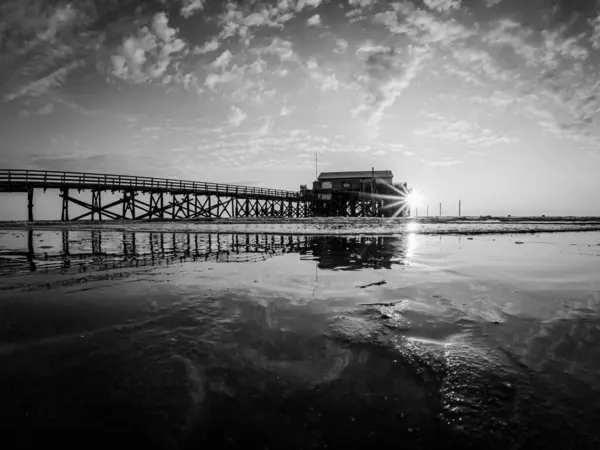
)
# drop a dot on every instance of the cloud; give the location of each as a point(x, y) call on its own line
point(281, 48)
point(421, 26)
point(160, 25)
point(48, 108)
point(301, 4)
point(239, 19)
point(462, 132)
point(26, 25)
point(325, 81)
point(66, 102)
point(595, 35)
point(222, 60)
point(190, 7)
point(497, 99)
point(359, 9)
point(293, 148)
point(209, 46)
point(477, 66)
point(388, 72)
point(41, 46)
point(148, 55)
point(368, 48)
point(582, 131)
point(490, 3)
point(443, 162)
point(507, 33)
point(548, 48)
point(42, 85)
point(361, 3)
point(286, 110)
point(236, 117)
point(251, 89)
point(563, 100)
point(265, 128)
point(556, 46)
point(258, 66)
point(443, 5)
point(340, 46)
point(61, 18)
point(314, 21)
point(236, 73)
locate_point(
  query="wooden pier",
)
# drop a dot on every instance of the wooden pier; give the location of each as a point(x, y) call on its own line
point(356, 194)
point(165, 198)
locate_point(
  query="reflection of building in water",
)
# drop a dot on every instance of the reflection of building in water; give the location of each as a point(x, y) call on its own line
point(359, 252)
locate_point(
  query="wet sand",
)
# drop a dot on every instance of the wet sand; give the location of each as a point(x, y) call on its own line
point(174, 337)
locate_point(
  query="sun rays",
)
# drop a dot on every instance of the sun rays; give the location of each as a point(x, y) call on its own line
point(404, 201)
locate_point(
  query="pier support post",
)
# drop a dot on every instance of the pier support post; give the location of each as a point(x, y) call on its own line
point(64, 216)
point(96, 205)
point(128, 204)
point(173, 205)
point(187, 206)
point(155, 207)
point(30, 204)
point(162, 205)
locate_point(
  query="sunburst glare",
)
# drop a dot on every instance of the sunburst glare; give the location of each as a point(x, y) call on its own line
point(414, 199)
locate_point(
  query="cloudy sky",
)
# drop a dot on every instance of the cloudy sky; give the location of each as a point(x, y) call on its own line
point(495, 102)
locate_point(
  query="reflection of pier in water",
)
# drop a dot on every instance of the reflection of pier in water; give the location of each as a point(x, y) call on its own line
point(93, 251)
point(114, 250)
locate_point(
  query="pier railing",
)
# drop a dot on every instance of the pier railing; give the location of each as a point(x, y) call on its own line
point(18, 180)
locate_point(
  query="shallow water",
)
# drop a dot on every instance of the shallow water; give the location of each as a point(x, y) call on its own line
point(177, 338)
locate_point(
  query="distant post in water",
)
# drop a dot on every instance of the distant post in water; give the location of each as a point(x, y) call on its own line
point(459, 208)
point(427, 210)
point(440, 209)
point(417, 211)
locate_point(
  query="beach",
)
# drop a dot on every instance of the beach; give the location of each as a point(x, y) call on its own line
point(309, 333)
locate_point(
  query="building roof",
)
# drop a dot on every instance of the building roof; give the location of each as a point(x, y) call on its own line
point(358, 174)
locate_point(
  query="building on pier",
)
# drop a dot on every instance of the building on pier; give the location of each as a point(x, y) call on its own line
point(360, 193)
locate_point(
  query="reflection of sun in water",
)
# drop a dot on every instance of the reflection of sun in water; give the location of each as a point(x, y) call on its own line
point(412, 241)
point(412, 226)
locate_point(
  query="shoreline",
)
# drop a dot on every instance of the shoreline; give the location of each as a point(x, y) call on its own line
point(335, 219)
point(378, 227)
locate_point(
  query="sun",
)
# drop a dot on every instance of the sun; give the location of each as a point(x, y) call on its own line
point(414, 199)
